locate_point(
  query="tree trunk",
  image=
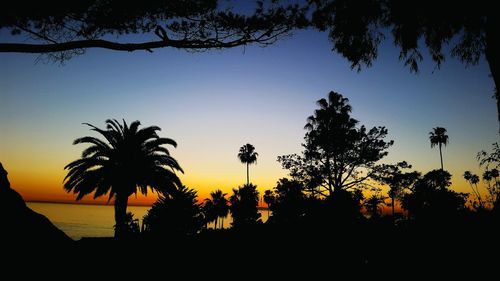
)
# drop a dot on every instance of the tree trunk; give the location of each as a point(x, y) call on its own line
point(248, 181)
point(330, 180)
point(392, 205)
point(121, 202)
point(492, 49)
point(441, 157)
point(222, 222)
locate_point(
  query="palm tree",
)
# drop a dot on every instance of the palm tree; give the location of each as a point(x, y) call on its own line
point(473, 180)
point(247, 155)
point(269, 199)
point(372, 205)
point(244, 202)
point(438, 137)
point(130, 159)
point(493, 189)
point(208, 209)
point(221, 206)
point(175, 214)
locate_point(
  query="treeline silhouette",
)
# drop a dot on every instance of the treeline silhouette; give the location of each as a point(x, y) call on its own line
point(331, 202)
point(327, 212)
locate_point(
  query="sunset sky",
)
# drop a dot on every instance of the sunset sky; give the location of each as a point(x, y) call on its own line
point(213, 102)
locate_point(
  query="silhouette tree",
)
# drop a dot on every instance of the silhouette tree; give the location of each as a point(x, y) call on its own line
point(131, 226)
point(269, 199)
point(209, 213)
point(177, 214)
point(220, 206)
point(68, 29)
point(438, 137)
point(130, 159)
point(356, 29)
point(243, 206)
point(430, 199)
point(372, 205)
point(493, 189)
point(289, 204)
point(304, 170)
point(396, 179)
point(247, 155)
point(473, 180)
point(341, 154)
point(490, 160)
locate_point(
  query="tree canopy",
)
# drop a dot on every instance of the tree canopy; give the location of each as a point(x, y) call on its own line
point(357, 27)
point(65, 29)
point(338, 153)
point(244, 202)
point(175, 214)
point(431, 199)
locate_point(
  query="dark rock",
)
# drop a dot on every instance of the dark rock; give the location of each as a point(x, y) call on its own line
point(20, 223)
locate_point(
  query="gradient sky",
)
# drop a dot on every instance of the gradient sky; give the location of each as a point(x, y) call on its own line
point(213, 102)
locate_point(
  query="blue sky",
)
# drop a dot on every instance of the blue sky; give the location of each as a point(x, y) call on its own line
point(213, 102)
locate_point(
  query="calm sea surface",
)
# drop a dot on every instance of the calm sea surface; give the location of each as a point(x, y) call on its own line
point(78, 220)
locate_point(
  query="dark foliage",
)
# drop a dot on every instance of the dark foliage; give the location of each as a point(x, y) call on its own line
point(66, 29)
point(338, 154)
point(243, 207)
point(397, 179)
point(430, 200)
point(175, 214)
point(129, 160)
point(289, 205)
point(357, 27)
point(216, 207)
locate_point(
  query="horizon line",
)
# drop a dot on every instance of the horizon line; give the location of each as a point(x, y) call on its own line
point(101, 203)
point(82, 202)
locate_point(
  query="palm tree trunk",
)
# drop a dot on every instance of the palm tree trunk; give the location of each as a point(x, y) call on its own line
point(392, 205)
point(479, 196)
point(492, 47)
point(222, 226)
point(441, 156)
point(248, 181)
point(121, 202)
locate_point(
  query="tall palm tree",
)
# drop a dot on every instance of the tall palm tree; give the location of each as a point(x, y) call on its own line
point(130, 159)
point(247, 155)
point(438, 137)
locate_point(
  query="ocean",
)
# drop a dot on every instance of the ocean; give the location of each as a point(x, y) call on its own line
point(79, 220)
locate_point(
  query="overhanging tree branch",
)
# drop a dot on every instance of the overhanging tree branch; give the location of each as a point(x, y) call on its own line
point(130, 47)
point(61, 31)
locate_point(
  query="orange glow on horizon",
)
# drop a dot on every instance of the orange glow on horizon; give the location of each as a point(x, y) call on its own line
point(45, 183)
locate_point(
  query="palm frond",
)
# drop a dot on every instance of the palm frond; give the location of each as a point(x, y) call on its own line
point(159, 141)
point(134, 127)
